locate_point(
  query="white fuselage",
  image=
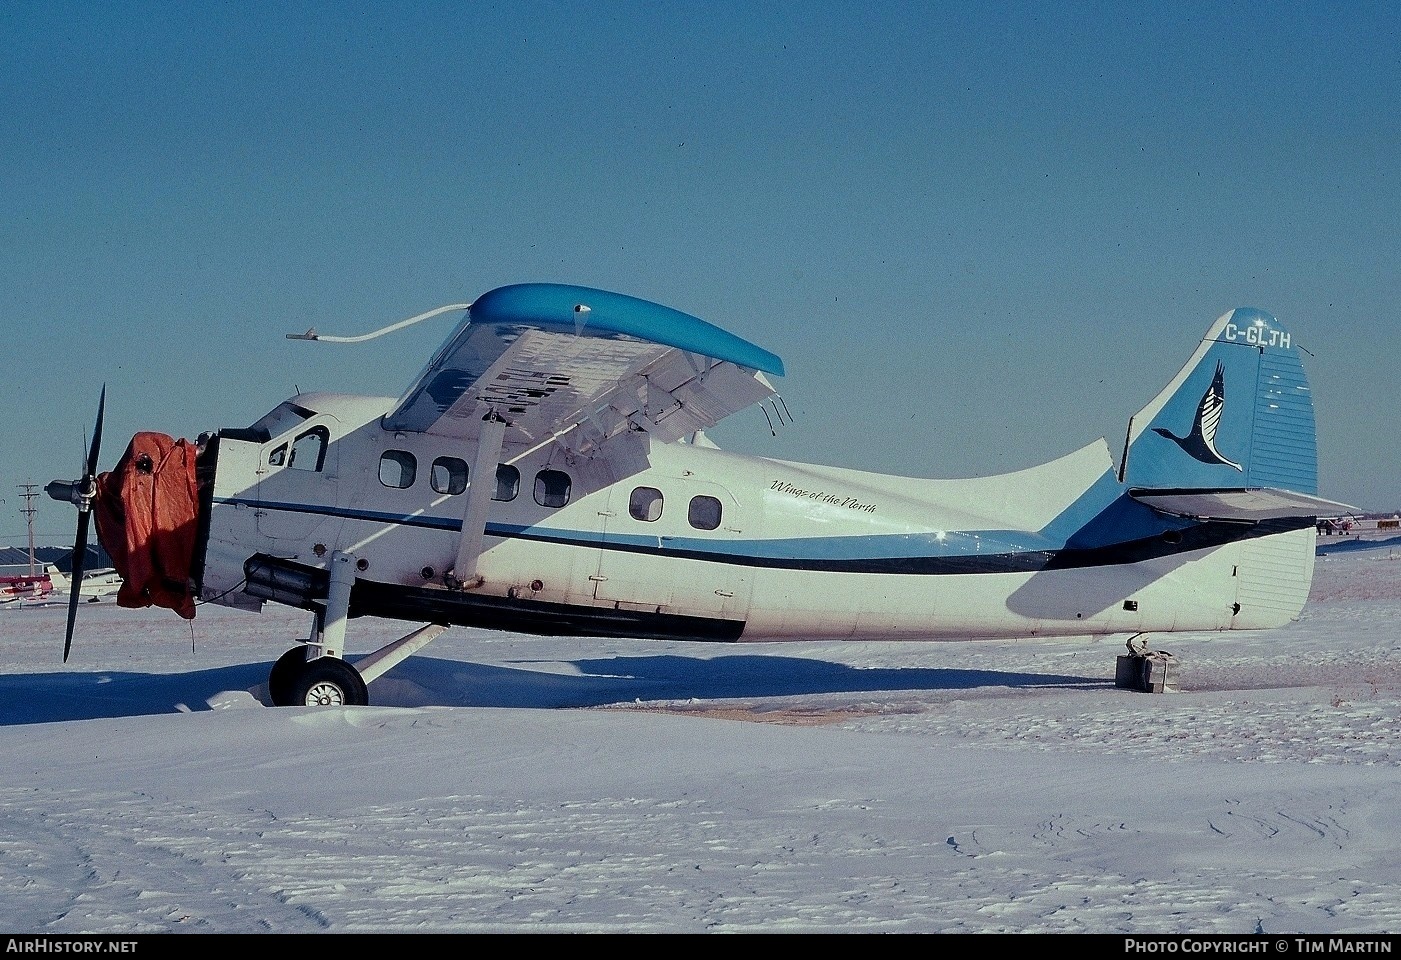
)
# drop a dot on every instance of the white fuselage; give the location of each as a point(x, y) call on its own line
point(765, 549)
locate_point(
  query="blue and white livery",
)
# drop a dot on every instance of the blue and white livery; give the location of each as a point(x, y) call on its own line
point(548, 472)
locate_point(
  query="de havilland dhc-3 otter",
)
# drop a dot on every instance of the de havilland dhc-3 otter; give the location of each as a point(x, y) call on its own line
point(548, 472)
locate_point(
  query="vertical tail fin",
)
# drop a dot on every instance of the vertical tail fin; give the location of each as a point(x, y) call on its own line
point(1238, 415)
point(1231, 438)
point(58, 578)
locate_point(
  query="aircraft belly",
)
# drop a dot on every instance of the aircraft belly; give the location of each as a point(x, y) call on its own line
point(553, 573)
point(1194, 591)
point(524, 613)
point(808, 605)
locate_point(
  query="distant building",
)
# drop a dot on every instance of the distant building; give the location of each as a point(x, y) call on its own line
point(15, 560)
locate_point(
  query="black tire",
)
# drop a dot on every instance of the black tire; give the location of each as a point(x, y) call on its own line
point(283, 674)
point(328, 682)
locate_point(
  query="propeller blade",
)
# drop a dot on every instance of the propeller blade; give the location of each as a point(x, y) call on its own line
point(96, 434)
point(80, 550)
point(88, 489)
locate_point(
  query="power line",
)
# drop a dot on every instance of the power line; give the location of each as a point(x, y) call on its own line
point(29, 511)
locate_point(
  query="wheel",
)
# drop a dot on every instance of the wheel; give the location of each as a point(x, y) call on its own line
point(326, 682)
point(283, 674)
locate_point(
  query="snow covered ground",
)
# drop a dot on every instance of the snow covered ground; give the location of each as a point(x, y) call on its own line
point(501, 782)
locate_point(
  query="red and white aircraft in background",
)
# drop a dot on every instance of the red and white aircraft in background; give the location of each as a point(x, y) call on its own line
point(54, 586)
point(25, 588)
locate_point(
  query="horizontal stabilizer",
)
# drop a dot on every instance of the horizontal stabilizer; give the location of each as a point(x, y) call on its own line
point(1240, 503)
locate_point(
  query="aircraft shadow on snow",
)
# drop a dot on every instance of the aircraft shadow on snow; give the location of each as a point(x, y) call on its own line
point(428, 681)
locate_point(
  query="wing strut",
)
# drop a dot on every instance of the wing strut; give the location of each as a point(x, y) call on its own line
point(481, 485)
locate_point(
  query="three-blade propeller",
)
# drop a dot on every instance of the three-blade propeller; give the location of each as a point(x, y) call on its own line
point(81, 494)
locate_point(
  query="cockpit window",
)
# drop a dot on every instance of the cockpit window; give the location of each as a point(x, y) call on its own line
point(309, 450)
point(280, 419)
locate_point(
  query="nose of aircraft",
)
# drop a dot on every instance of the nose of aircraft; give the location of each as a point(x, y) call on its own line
point(64, 491)
point(146, 509)
point(80, 493)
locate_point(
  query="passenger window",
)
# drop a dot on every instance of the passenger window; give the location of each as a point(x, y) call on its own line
point(552, 488)
point(508, 482)
point(704, 513)
point(449, 475)
point(309, 450)
point(645, 504)
point(278, 457)
point(397, 468)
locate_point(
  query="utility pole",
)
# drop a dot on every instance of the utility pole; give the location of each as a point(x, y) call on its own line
point(28, 510)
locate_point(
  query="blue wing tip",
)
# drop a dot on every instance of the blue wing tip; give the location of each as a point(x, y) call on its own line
point(559, 305)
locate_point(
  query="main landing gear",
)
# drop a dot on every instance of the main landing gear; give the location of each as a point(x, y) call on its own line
point(315, 675)
point(326, 681)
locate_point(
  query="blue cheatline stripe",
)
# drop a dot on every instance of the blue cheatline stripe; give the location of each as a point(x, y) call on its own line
point(836, 554)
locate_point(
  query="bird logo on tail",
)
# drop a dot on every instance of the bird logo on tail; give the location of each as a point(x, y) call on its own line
point(1200, 444)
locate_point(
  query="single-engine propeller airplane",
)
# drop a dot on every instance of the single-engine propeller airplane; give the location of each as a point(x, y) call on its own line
point(548, 472)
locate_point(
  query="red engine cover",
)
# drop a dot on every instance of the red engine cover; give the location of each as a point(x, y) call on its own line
point(146, 511)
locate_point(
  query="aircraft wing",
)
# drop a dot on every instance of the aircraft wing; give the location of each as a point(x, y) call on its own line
point(554, 360)
point(1240, 503)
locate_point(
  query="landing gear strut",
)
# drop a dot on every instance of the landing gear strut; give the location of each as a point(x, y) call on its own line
point(1148, 671)
point(315, 674)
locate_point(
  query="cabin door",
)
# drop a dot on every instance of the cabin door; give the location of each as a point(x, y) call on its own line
point(297, 481)
point(665, 549)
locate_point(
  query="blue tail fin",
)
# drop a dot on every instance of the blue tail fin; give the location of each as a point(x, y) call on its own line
point(1237, 419)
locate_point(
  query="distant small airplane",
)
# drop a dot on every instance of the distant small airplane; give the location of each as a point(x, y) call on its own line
point(97, 585)
point(53, 586)
point(548, 473)
point(23, 589)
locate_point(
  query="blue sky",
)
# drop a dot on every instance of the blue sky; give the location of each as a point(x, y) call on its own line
point(980, 235)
